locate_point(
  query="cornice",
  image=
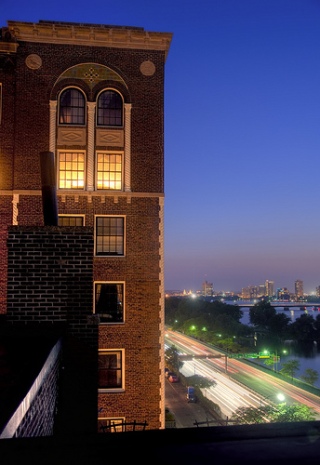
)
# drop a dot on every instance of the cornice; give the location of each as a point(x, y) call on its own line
point(90, 35)
point(80, 193)
point(8, 47)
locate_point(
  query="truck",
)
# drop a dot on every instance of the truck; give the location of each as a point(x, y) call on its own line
point(191, 396)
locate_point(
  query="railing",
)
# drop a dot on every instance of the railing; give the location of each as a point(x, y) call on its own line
point(120, 427)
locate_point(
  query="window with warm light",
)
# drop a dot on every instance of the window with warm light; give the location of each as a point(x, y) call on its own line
point(70, 220)
point(109, 235)
point(109, 109)
point(110, 369)
point(109, 170)
point(111, 425)
point(72, 107)
point(109, 302)
point(71, 170)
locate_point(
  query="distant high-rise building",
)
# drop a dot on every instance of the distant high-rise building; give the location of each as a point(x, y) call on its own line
point(250, 292)
point(261, 290)
point(269, 287)
point(283, 294)
point(318, 291)
point(298, 288)
point(207, 289)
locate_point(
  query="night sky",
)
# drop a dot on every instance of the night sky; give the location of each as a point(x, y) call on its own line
point(242, 133)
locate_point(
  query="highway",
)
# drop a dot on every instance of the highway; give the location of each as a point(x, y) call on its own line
point(226, 392)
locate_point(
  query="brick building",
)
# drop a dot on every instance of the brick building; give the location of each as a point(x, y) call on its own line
point(92, 95)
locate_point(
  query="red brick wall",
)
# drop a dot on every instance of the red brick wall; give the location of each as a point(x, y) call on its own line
point(27, 110)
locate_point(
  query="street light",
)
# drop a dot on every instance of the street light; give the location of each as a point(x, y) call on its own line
point(280, 397)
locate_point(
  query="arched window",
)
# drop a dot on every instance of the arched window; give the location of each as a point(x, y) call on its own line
point(72, 107)
point(109, 111)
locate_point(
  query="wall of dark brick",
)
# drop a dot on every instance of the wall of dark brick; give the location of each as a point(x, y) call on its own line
point(35, 415)
point(50, 279)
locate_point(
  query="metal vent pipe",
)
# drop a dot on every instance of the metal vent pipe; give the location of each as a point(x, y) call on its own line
point(49, 189)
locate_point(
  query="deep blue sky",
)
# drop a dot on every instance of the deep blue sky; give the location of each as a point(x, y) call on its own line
point(242, 133)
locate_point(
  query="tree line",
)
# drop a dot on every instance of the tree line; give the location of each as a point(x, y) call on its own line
point(219, 324)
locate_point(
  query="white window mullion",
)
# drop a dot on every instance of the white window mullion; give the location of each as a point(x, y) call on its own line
point(90, 154)
point(53, 126)
point(127, 147)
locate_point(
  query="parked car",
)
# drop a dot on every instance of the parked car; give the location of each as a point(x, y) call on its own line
point(173, 378)
point(191, 397)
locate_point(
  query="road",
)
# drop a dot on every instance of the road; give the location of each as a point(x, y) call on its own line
point(187, 415)
point(226, 392)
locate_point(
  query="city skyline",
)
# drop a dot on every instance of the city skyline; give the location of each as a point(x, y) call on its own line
point(241, 131)
point(291, 289)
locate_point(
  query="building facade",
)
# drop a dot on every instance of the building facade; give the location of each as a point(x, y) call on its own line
point(93, 96)
point(298, 289)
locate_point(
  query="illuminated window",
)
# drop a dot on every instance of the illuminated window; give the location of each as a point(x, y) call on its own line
point(109, 109)
point(70, 220)
point(109, 235)
point(72, 107)
point(111, 425)
point(110, 369)
point(71, 170)
point(109, 171)
point(109, 303)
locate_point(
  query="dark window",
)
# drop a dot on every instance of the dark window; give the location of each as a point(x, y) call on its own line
point(109, 302)
point(72, 107)
point(109, 109)
point(110, 369)
point(109, 235)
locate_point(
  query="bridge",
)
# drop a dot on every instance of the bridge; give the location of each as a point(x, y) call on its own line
point(192, 357)
point(280, 303)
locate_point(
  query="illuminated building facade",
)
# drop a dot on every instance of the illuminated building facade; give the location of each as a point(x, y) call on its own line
point(269, 287)
point(298, 289)
point(93, 95)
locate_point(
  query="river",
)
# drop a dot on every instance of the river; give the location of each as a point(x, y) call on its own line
point(308, 358)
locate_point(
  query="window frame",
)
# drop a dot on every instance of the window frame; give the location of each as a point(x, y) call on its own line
point(81, 124)
point(103, 254)
point(110, 153)
point(121, 369)
point(69, 180)
point(111, 424)
point(101, 125)
point(75, 216)
point(99, 314)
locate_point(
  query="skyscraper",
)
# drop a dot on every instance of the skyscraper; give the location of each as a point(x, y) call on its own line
point(269, 288)
point(298, 289)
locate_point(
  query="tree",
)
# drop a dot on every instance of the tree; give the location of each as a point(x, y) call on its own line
point(292, 413)
point(172, 358)
point(304, 329)
point(269, 414)
point(251, 415)
point(261, 313)
point(200, 381)
point(290, 368)
point(270, 362)
point(310, 376)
